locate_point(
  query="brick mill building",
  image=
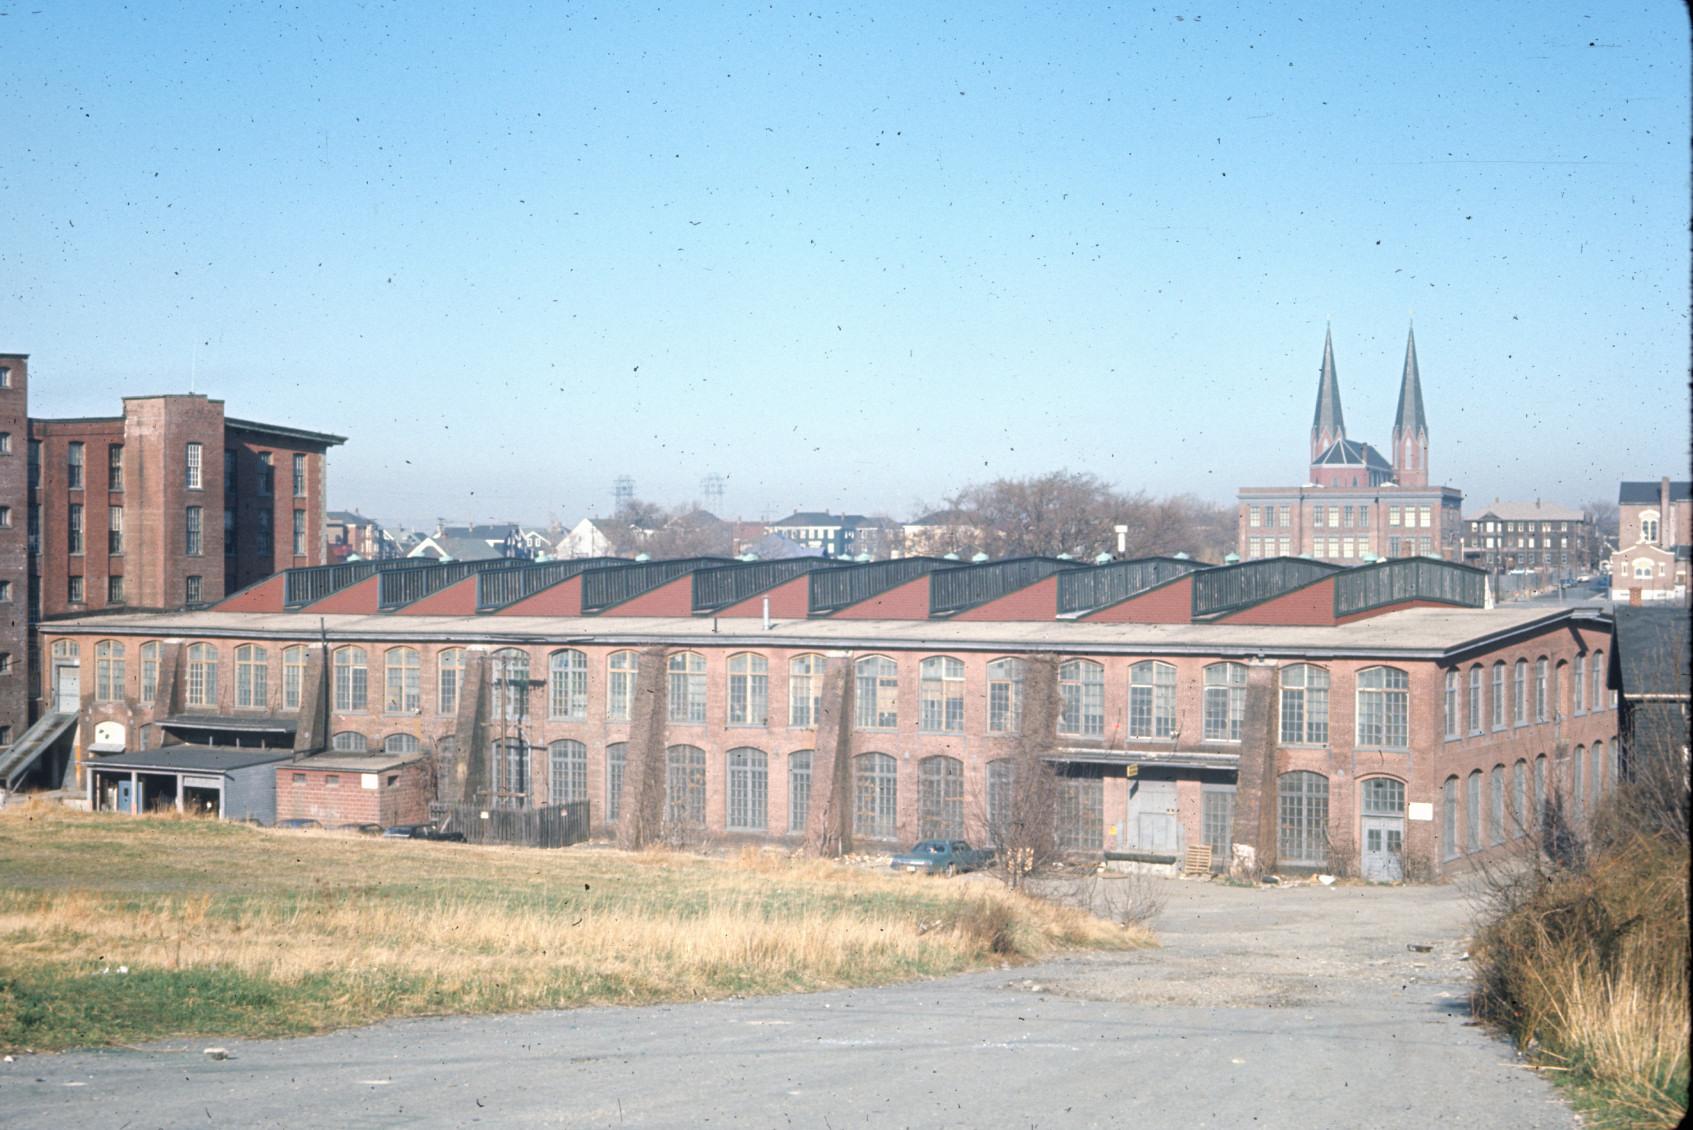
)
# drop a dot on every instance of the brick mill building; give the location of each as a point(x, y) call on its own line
point(1356, 504)
point(168, 504)
point(1379, 719)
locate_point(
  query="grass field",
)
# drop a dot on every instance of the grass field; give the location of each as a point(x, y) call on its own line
point(117, 930)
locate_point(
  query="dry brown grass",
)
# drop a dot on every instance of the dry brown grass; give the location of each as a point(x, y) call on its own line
point(340, 929)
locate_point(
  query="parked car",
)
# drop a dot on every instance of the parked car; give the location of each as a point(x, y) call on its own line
point(421, 832)
point(298, 823)
point(361, 829)
point(942, 857)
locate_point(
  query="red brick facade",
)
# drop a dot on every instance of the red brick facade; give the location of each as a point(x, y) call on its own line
point(353, 790)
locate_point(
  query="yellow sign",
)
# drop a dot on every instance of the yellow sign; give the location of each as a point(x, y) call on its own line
point(1133, 771)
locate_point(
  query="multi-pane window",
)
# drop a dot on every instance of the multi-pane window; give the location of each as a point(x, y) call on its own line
point(567, 684)
point(940, 798)
point(1081, 698)
point(299, 533)
point(1000, 804)
point(1577, 793)
point(1600, 766)
point(114, 589)
point(877, 693)
point(347, 741)
point(747, 785)
point(202, 687)
point(191, 531)
point(1450, 704)
point(449, 665)
point(1499, 695)
point(1475, 703)
point(1081, 813)
point(73, 466)
point(228, 472)
point(108, 671)
point(1383, 708)
point(149, 672)
point(1152, 699)
point(352, 679)
point(508, 769)
point(616, 757)
point(687, 687)
point(1005, 696)
point(1578, 686)
point(1225, 701)
point(799, 789)
point(402, 681)
point(1449, 819)
point(1302, 826)
point(1519, 693)
point(252, 676)
point(508, 676)
point(1384, 796)
point(73, 589)
point(567, 771)
point(1472, 811)
point(193, 466)
point(940, 695)
point(1496, 804)
point(1539, 791)
point(267, 473)
point(114, 467)
point(684, 785)
point(299, 476)
point(1217, 819)
point(1305, 705)
point(73, 528)
point(620, 685)
point(1598, 681)
point(293, 676)
point(263, 521)
point(875, 796)
point(805, 690)
point(114, 530)
point(1540, 667)
point(1519, 797)
point(749, 689)
point(400, 743)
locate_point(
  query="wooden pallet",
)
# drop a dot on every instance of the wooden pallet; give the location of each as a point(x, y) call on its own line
point(1197, 860)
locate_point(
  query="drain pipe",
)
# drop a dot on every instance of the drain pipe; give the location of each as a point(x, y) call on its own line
point(767, 614)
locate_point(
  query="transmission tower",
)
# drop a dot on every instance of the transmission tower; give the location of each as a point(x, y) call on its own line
point(711, 489)
point(622, 493)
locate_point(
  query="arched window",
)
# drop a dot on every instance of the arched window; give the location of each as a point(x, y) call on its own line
point(1302, 835)
point(1519, 693)
point(108, 671)
point(1649, 526)
point(1476, 707)
point(1496, 804)
point(616, 757)
point(1540, 701)
point(1472, 811)
point(749, 689)
point(1597, 781)
point(1451, 705)
point(352, 679)
point(149, 672)
point(1577, 793)
point(1643, 569)
point(252, 676)
point(1304, 705)
point(1449, 819)
point(1152, 700)
point(1005, 696)
point(748, 790)
point(875, 796)
point(1081, 697)
point(1578, 686)
point(1384, 796)
point(567, 771)
point(799, 790)
point(1384, 708)
point(402, 682)
point(684, 785)
point(508, 767)
point(202, 687)
point(1539, 819)
point(878, 693)
point(1519, 798)
point(508, 681)
point(620, 685)
point(400, 743)
point(1225, 701)
point(687, 689)
point(1499, 695)
point(805, 690)
point(1556, 694)
point(567, 685)
point(1598, 681)
point(1000, 804)
point(449, 665)
point(349, 741)
point(940, 695)
point(293, 675)
point(940, 798)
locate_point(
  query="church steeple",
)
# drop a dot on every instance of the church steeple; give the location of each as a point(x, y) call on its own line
point(1410, 426)
point(1328, 425)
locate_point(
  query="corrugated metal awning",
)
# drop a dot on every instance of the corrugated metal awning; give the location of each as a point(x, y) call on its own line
point(1174, 759)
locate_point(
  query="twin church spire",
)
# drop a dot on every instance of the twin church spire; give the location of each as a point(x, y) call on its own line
point(1350, 463)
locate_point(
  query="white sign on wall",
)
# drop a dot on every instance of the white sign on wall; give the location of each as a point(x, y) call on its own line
point(367, 780)
point(1419, 810)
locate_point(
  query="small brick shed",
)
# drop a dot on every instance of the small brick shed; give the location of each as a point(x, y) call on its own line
point(354, 788)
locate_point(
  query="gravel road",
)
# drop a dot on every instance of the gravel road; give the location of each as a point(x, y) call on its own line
point(1299, 1007)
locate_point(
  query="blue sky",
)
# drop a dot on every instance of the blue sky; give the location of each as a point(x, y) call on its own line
point(856, 257)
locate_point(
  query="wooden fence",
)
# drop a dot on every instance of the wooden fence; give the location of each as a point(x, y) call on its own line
point(548, 826)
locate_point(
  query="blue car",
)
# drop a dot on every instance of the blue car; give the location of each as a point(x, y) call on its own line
point(942, 857)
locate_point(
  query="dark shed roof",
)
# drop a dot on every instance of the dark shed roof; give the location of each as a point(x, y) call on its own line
point(1645, 494)
point(191, 758)
point(1651, 656)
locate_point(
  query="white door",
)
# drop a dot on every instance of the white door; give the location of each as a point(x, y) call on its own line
point(67, 688)
point(1153, 824)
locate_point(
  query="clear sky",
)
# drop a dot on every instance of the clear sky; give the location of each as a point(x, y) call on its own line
point(855, 257)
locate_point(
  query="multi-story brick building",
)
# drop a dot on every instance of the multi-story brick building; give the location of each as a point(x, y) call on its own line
point(170, 503)
point(1655, 541)
point(1355, 504)
point(1537, 535)
point(1302, 715)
